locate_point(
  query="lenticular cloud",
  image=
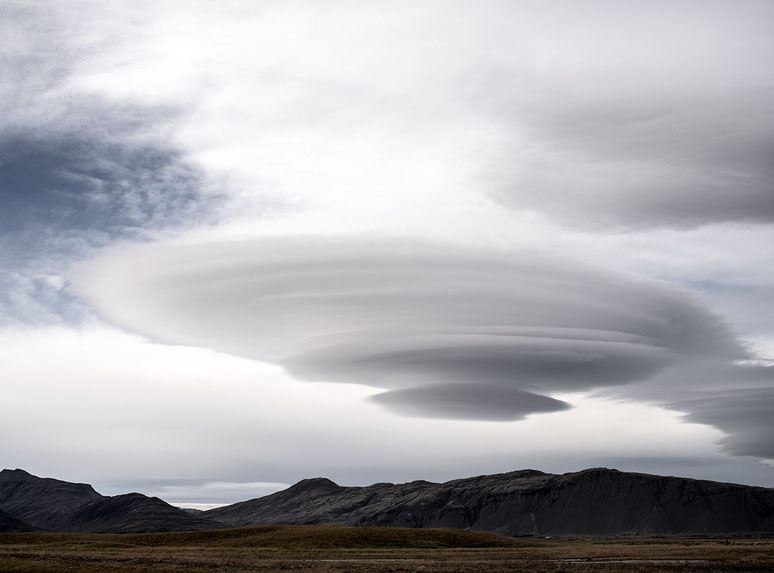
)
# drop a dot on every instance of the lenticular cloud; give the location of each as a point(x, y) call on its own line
point(446, 332)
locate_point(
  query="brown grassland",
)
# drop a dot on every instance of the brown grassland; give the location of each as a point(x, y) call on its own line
point(331, 548)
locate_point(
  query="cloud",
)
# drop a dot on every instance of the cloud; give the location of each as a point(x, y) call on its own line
point(101, 406)
point(576, 113)
point(737, 398)
point(77, 171)
point(404, 120)
point(67, 194)
point(604, 116)
point(642, 159)
point(75, 165)
point(99, 184)
point(468, 402)
point(427, 322)
point(744, 415)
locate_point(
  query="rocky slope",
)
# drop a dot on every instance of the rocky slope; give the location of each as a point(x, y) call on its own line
point(9, 524)
point(134, 513)
point(55, 505)
point(596, 501)
point(42, 502)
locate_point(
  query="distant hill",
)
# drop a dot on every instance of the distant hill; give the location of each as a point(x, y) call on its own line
point(45, 503)
point(590, 502)
point(55, 505)
point(594, 501)
point(134, 513)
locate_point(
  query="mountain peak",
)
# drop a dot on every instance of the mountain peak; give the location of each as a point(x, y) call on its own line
point(16, 472)
point(317, 484)
point(526, 502)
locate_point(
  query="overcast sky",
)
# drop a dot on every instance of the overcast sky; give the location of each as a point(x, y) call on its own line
point(246, 243)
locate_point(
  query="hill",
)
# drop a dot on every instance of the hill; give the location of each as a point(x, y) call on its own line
point(134, 513)
point(55, 505)
point(595, 501)
point(45, 503)
point(590, 502)
point(9, 524)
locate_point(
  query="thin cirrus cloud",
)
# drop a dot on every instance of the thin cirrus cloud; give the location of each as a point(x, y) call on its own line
point(446, 332)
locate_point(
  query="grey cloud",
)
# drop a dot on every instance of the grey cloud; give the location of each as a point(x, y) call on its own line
point(745, 416)
point(76, 172)
point(468, 402)
point(644, 159)
point(636, 115)
point(67, 194)
point(408, 316)
point(80, 181)
point(72, 163)
point(554, 360)
point(735, 397)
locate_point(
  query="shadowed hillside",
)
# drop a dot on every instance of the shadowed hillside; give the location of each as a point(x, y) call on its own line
point(55, 505)
point(596, 501)
point(42, 502)
point(590, 502)
point(9, 524)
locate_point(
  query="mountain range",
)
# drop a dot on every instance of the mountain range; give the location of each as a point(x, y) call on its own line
point(596, 501)
point(54, 505)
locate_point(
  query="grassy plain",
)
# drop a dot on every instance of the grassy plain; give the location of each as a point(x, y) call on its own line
point(372, 550)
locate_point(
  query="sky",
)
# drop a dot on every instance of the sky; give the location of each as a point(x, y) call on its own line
point(247, 243)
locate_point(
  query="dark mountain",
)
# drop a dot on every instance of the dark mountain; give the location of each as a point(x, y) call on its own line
point(45, 503)
point(595, 501)
point(9, 524)
point(134, 513)
point(56, 505)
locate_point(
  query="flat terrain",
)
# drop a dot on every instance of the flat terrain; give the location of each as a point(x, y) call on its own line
point(331, 548)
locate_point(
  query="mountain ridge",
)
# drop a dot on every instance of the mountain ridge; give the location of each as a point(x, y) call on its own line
point(10, 524)
point(523, 502)
point(45, 503)
point(54, 505)
point(594, 501)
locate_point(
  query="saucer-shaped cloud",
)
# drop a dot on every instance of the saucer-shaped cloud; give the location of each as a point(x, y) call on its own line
point(451, 332)
point(468, 402)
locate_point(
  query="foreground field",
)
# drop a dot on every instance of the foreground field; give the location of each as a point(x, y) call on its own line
point(309, 548)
